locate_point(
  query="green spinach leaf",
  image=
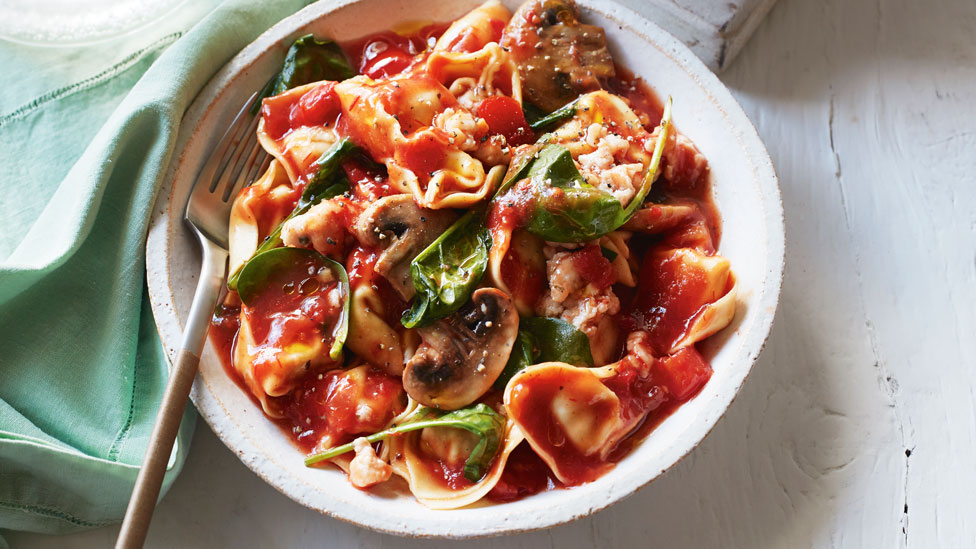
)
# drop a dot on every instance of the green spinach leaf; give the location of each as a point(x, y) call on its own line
point(567, 209)
point(524, 354)
point(308, 60)
point(479, 419)
point(608, 253)
point(558, 341)
point(329, 181)
point(270, 270)
point(543, 339)
point(447, 272)
point(563, 113)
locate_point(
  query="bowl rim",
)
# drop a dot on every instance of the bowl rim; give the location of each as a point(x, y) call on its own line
point(169, 324)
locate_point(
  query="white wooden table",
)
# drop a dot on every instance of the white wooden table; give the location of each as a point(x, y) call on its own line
point(858, 425)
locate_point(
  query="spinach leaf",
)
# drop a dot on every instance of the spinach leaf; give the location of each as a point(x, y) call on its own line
point(532, 112)
point(519, 168)
point(448, 271)
point(608, 253)
point(524, 354)
point(328, 182)
point(543, 339)
point(479, 419)
point(567, 208)
point(268, 270)
point(565, 112)
point(558, 341)
point(308, 60)
point(654, 168)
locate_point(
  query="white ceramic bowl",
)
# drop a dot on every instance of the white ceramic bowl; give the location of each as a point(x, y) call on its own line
point(744, 186)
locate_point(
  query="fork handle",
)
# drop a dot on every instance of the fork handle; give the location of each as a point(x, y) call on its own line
point(146, 491)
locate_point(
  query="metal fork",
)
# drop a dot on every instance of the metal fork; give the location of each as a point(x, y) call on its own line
point(236, 160)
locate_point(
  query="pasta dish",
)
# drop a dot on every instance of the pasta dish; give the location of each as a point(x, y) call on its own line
point(481, 258)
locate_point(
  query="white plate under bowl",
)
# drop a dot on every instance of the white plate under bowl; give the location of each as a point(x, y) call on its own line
point(744, 186)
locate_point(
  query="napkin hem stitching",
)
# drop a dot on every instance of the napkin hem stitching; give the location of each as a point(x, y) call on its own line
point(89, 82)
point(53, 512)
point(123, 434)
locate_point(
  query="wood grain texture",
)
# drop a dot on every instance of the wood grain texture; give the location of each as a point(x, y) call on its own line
point(867, 110)
point(714, 31)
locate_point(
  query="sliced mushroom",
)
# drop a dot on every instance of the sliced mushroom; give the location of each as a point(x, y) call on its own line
point(402, 229)
point(462, 355)
point(558, 57)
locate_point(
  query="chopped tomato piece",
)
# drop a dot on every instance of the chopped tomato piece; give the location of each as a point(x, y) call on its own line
point(505, 117)
point(388, 54)
point(316, 107)
point(594, 267)
point(683, 373)
point(424, 154)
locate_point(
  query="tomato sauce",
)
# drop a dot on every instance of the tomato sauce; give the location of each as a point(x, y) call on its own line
point(360, 266)
point(323, 403)
point(425, 153)
point(270, 211)
point(525, 474)
point(318, 106)
point(295, 305)
point(537, 420)
point(387, 53)
point(330, 404)
point(447, 474)
point(593, 267)
point(525, 283)
point(369, 182)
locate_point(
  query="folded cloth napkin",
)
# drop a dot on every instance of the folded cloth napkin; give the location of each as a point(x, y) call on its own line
point(81, 367)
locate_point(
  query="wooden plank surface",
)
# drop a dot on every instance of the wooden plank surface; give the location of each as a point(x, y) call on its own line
point(868, 112)
point(716, 31)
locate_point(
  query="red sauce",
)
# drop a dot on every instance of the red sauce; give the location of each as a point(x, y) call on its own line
point(638, 95)
point(224, 325)
point(327, 404)
point(360, 266)
point(424, 153)
point(647, 393)
point(293, 308)
point(532, 403)
point(269, 210)
point(470, 39)
point(316, 107)
point(388, 53)
point(322, 403)
point(450, 476)
point(525, 474)
point(669, 297)
point(369, 184)
point(525, 282)
point(593, 267)
point(513, 209)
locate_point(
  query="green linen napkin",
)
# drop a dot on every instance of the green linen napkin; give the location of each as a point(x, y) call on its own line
point(81, 367)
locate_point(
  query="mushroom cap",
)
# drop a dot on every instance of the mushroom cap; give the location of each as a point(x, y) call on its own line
point(462, 356)
point(565, 57)
point(402, 229)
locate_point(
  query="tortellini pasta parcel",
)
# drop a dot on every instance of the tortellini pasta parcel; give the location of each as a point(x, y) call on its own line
point(480, 258)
